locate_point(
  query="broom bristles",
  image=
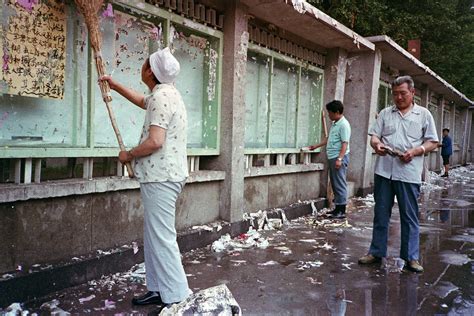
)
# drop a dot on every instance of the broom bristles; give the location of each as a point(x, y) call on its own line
point(90, 10)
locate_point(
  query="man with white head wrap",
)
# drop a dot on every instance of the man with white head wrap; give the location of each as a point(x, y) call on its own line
point(160, 165)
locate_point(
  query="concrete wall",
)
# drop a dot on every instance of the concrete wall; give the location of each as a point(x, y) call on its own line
point(58, 229)
point(280, 190)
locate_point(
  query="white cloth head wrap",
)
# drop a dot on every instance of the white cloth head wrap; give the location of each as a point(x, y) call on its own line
point(164, 66)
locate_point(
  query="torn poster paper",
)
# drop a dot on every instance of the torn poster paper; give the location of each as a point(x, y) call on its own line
point(216, 300)
point(33, 45)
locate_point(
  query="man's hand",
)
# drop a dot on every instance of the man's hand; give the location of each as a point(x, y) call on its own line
point(112, 83)
point(380, 149)
point(338, 164)
point(308, 148)
point(125, 156)
point(408, 155)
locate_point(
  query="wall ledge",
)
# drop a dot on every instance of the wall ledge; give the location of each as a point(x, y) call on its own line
point(276, 170)
point(62, 188)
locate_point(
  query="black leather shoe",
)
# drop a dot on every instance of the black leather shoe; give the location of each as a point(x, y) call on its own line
point(148, 298)
point(333, 212)
point(338, 213)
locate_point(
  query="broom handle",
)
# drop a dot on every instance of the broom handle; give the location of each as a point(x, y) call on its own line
point(105, 90)
point(329, 193)
point(325, 127)
point(119, 137)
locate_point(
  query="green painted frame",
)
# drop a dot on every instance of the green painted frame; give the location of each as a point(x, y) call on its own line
point(295, 62)
point(388, 89)
point(136, 8)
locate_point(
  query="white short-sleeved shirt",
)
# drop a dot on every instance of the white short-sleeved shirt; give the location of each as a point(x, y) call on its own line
point(403, 132)
point(164, 108)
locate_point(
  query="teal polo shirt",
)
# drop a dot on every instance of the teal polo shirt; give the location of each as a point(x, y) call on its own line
point(339, 132)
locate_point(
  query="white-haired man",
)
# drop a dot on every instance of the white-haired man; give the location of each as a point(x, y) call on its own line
point(160, 165)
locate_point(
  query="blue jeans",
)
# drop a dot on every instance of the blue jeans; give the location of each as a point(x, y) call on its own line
point(338, 180)
point(407, 195)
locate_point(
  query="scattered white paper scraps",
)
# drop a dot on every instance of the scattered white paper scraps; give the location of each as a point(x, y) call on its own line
point(314, 281)
point(347, 265)
point(304, 265)
point(13, 309)
point(251, 239)
point(308, 240)
point(135, 247)
point(53, 308)
point(216, 300)
point(268, 263)
point(327, 246)
point(86, 299)
point(393, 265)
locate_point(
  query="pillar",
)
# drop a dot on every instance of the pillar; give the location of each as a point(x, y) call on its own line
point(232, 125)
point(360, 99)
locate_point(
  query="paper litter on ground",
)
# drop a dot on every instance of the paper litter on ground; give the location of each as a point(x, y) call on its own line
point(268, 263)
point(13, 310)
point(217, 300)
point(326, 223)
point(52, 307)
point(86, 299)
point(244, 241)
point(304, 265)
point(393, 265)
point(260, 220)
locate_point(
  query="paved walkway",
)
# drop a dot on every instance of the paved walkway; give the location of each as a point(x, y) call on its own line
point(309, 266)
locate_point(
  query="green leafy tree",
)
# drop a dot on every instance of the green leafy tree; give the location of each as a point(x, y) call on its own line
point(445, 28)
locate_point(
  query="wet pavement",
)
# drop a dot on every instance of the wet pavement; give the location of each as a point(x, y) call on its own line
point(309, 266)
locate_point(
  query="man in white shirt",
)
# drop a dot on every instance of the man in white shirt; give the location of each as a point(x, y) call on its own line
point(160, 165)
point(401, 136)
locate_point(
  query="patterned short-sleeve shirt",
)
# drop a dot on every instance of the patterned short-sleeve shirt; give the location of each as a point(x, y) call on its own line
point(164, 108)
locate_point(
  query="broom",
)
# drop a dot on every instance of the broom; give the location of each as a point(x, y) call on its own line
point(329, 192)
point(90, 9)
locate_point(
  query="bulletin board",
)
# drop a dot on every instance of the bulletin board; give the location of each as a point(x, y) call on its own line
point(283, 106)
point(46, 117)
point(446, 119)
point(256, 100)
point(283, 99)
point(198, 82)
point(126, 42)
point(458, 128)
point(309, 108)
point(433, 108)
point(190, 51)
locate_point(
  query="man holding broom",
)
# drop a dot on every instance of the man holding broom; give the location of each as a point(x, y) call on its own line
point(337, 149)
point(160, 165)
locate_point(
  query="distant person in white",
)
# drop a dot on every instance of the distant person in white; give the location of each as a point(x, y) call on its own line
point(160, 165)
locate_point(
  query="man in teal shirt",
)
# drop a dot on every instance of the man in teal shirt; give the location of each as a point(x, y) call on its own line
point(337, 149)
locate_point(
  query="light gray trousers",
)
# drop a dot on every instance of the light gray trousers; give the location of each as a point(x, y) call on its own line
point(164, 270)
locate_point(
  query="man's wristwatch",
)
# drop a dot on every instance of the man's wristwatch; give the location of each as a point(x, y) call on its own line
point(340, 159)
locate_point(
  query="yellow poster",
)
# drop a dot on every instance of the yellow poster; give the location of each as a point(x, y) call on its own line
point(34, 48)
